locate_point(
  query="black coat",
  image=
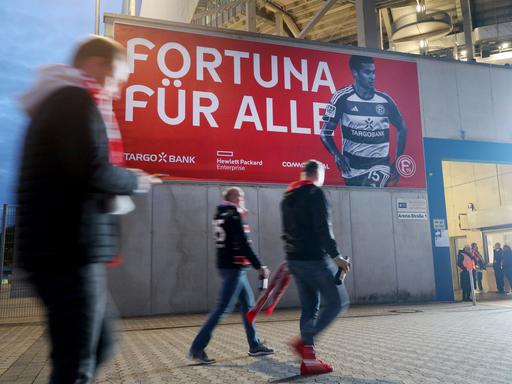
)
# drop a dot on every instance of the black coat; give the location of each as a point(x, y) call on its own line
point(231, 239)
point(65, 184)
point(498, 259)
point(507, 260)
point(306, 226)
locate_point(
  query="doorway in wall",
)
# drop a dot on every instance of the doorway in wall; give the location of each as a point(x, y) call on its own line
point(491, 237)
point(478, 197)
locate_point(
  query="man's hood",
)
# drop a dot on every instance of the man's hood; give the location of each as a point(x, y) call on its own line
point(50, 79)
point(296, 191)
point(298, 184)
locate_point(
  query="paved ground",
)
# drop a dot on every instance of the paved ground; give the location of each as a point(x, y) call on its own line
point(437, 343)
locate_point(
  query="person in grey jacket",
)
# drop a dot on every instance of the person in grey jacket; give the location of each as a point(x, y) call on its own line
point(66, 186)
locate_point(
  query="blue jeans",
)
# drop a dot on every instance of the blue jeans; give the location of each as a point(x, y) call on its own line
point(315, 279)
point(235, 288)
point(79, 321)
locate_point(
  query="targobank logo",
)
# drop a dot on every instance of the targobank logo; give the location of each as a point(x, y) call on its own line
point(161, 157)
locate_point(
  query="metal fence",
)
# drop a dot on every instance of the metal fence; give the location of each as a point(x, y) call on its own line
point(17, 298)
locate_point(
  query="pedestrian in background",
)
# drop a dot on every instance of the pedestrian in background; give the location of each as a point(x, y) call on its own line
point(507, 263)
point(498, 268)
point(480, 267)
point(466, 263)
point(68, 185)
point(234, 256)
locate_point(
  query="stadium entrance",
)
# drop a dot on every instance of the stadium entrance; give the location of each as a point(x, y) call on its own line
point(478, 202)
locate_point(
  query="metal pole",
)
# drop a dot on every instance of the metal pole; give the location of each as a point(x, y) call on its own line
point(129, 7)
point(468, 28)
point(2, 243)
point(250, 14)
point(367, 35)
point(314, 20)
point(279, 24)
point(97, 18)
point(472, 281)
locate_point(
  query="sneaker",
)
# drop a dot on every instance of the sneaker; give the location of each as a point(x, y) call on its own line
point(200, 357)
point(314, 367)
point(261, 350)
point(304, 351)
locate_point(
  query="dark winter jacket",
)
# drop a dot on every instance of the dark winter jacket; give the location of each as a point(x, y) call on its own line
point(498, 259)
point(307, 232)
point(65, 185)
point(234, 248)
point(507, 260)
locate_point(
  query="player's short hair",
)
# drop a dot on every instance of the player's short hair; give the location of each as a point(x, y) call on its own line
point(228, 192)
point(356, 61)
point(311, 167)
point(98, 46)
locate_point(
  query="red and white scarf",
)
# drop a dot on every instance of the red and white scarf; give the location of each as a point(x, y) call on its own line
point(115, 143)
point(104, 104)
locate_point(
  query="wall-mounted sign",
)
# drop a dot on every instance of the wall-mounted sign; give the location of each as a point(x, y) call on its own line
point(439, 224)
point(218, 107)
point(411, 209)
point(441, 238)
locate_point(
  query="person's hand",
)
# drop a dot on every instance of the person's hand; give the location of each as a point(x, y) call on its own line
point(342, 163)
point(394, 176)
point(342, 263)
point(244, 212)
point(264, 272)
point(145, 181)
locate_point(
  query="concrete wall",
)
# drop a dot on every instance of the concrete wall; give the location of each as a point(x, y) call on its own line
point(465, 101)
point(170, 259)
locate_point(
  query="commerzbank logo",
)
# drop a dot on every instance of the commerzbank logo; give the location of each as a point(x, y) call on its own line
point(161, 157)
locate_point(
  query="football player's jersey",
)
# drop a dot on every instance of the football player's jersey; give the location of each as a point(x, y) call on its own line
point(365, 129)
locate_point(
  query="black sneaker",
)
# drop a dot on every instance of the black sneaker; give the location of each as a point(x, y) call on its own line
point(261, 350)
point(200, 357)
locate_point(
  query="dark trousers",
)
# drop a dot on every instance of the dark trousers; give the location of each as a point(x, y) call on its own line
point(79, 322)
point(500, 279)
point(315, 279)
point(508, 274)
point(465, 284)
point(235, 288)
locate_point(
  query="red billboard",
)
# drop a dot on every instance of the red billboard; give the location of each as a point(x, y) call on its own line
point(219, 107)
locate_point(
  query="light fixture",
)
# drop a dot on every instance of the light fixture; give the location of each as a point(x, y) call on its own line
point(423, 44)
point(505, 45)
point(420, 7)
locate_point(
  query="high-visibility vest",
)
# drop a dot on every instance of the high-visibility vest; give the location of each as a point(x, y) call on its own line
point(468, 262)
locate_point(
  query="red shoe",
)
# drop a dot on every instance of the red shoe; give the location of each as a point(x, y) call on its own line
point(314, 367)
point(304, 351)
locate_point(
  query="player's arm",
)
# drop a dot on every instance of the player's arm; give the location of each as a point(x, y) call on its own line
point(331, 118)
point(401, 139)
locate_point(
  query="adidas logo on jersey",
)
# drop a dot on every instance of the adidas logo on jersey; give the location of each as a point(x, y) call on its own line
point(355, 109)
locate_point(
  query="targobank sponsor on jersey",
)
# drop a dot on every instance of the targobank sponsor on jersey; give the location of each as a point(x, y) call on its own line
point(161, 157)
point(365, 129)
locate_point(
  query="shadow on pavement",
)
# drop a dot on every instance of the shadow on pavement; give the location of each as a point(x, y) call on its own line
point(288, 372)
